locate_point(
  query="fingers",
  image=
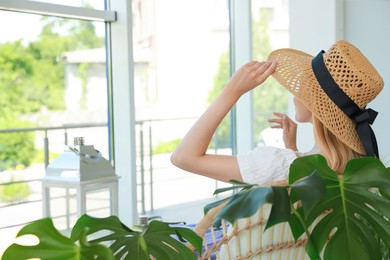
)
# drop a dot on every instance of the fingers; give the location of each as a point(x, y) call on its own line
point(278, 123)
point(266, 69)
point(261, 70)
point(251, 75)
point(281, 115)
point(259, 63)
point(289, 129)
point(255, 64)
point(283, 121)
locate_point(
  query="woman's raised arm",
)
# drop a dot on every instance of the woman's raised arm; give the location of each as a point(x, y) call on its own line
point(191, 154)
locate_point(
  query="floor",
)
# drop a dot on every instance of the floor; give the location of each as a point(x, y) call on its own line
point(190, 212)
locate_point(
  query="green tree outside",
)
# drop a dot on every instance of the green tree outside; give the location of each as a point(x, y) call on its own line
point(33, 77)
point(222, 135)
point(268, 98)
point(16, 65)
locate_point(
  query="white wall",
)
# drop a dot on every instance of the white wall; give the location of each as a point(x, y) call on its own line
point(367, 24)
point(316, 25)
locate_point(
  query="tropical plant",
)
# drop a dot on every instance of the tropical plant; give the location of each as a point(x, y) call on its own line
point(105, 238)
point(348, 214)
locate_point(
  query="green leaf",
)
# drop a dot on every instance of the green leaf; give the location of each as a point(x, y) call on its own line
point(237, 185)
point(305, 166)
point(237, 182)
point(89, 251)
point(348, 216)
point(302, 168)
point(53, 245)
point(161, 233)
point(309, 190)
point(297, 229)
point(357, 213)
point(280, 211)
point(212, 205)
point(245, 203)
point(231, 188)
point(157, 240)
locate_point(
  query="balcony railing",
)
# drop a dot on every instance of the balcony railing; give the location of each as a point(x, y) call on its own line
point(149, 133)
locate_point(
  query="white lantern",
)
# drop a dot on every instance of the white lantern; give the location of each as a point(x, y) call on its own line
point(84, 169)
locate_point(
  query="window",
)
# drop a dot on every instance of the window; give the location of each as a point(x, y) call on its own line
point(54, 87)
point(181, 64)
point(77, 3)
point(269, 32)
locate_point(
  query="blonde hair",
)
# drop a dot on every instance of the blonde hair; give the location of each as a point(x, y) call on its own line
point(337, 153)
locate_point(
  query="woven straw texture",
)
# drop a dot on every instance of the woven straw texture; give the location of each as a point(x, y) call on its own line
point(247, 239)
point(349, 68)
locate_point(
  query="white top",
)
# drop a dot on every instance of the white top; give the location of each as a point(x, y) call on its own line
point(265, 164)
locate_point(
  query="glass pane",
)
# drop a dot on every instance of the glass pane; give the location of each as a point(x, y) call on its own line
point(53, 88)
point(181, 53)
point(270, 24)
point(94, 4)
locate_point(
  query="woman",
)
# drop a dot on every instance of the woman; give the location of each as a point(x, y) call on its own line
point(330, 90)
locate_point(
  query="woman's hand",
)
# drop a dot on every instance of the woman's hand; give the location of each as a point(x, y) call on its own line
point(250, 75)
point(289, 129)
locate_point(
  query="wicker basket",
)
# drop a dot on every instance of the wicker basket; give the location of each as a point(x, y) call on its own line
point(246, 239)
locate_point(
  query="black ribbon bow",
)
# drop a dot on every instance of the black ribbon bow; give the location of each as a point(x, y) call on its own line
point(362, 117)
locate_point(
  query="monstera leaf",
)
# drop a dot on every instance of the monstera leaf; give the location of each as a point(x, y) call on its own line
point(344, 217)
point(354, 213)
point(251, 197)
point(104, 238)
point(242, 204)
point(158, 240)
point(53, 246)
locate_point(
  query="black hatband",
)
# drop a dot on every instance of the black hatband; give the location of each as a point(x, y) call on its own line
point(362, 117)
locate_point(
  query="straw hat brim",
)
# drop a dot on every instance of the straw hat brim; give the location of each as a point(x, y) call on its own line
point(295, 73)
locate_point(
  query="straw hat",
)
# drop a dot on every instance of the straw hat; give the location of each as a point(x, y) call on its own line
point(350, 70)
